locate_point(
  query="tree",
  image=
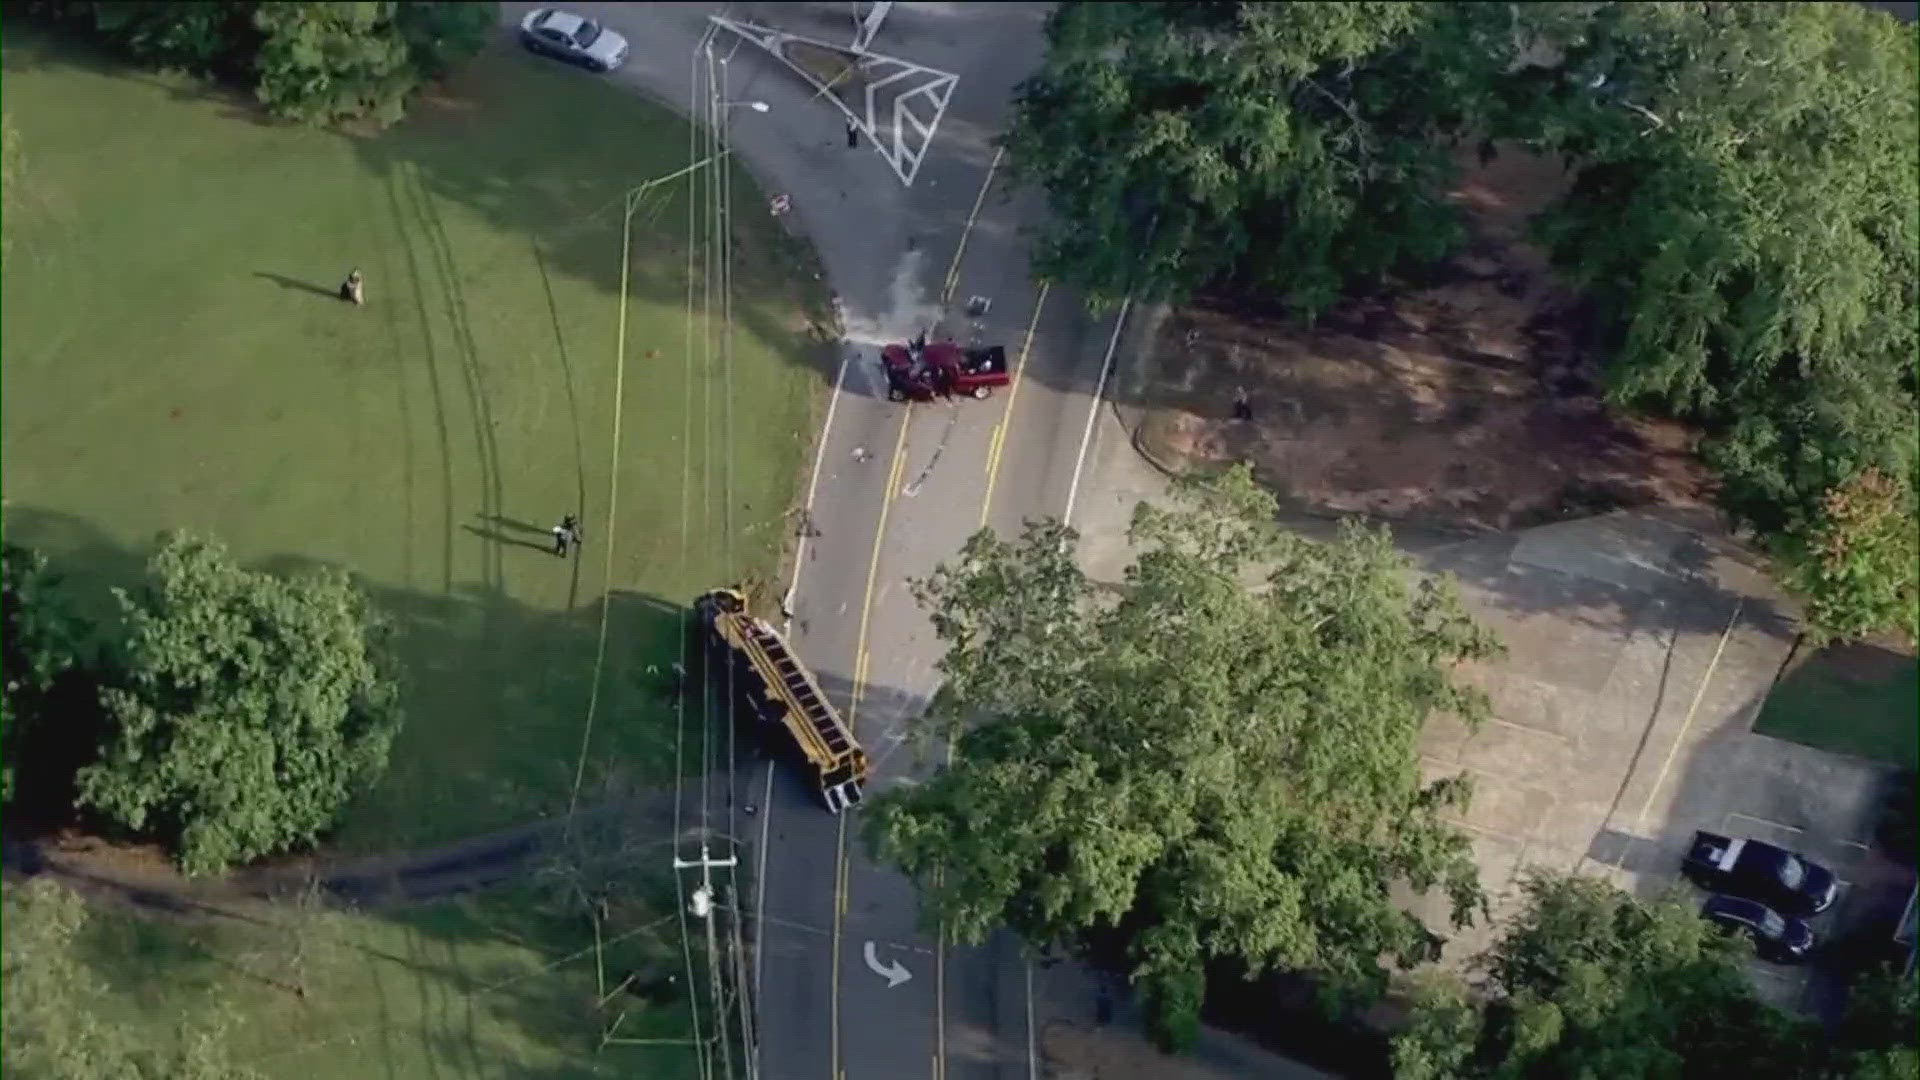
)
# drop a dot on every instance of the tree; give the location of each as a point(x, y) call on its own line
point(1858, 563)
point(40, 649)
point(1292, 150)
point(203, 37)
point(250, 709)
point(50, 1004)
point(325, 61)
point(1744, 211)
point(309, 60)
point(1878, 1037)
point(1589, 982)
point(443, 34)
point(1206, 771)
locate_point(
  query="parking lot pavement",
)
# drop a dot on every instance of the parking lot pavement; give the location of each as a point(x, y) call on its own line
point(1640, 648)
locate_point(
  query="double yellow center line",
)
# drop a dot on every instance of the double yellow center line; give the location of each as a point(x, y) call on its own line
point(862, 657)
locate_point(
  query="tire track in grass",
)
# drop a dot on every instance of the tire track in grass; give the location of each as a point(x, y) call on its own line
point(566, 378)
point(391, 312)
point(492, 557)
point(394, 183)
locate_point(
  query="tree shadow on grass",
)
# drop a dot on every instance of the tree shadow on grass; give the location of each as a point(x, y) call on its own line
point(468, 142)
point(496, 693)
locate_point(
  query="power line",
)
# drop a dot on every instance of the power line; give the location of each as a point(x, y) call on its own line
point(701, 48)
point(728, 534)
point(716, 279)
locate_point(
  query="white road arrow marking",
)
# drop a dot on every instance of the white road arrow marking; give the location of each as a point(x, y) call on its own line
point(895, 972)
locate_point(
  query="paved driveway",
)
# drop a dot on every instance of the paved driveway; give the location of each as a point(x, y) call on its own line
point(1641, 647)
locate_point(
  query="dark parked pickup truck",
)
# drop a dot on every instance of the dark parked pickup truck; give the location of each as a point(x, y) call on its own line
point(1776, 877)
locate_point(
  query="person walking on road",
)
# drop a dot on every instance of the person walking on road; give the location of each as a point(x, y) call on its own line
point(853, 134)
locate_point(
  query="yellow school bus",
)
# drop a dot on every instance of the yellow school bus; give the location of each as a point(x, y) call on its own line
point(784, 692)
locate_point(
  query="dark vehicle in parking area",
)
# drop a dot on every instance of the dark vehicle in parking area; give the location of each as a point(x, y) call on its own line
point(1774, 876)
point(1776, 937)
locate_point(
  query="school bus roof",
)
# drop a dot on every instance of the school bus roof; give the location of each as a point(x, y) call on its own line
point(812, 719)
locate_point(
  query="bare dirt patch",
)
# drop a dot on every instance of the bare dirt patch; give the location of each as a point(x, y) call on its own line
point(1472, 402)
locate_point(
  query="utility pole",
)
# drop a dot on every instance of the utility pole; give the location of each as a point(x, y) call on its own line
point(702, 908)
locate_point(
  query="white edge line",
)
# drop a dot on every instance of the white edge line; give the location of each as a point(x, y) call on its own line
point(1032, 1066)
point(1093, 412)
point(813, 486)
point(793, 588)
point(760, 888)
point(925, 131)
point(891, 79)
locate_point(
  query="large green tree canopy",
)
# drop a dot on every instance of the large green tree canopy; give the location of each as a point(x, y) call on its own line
point(1745, 212)
point(40, 644)
point(1590, 982)
point(1212, 770)
point(1291, 149)
point(1748, 204)
point(316, 61)
point(52, 1004)
point(250, 706)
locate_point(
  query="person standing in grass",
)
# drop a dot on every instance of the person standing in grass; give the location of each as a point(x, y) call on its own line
point(566, 535)
point(352, 288)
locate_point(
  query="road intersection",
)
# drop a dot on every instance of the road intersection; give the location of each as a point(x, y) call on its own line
point(849, 984)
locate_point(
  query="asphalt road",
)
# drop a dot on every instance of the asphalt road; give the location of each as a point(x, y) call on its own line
point(895, 490)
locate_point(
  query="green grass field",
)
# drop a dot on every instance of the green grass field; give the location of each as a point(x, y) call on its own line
point(176, 358)
point(477, 987)
point(1853, 699)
